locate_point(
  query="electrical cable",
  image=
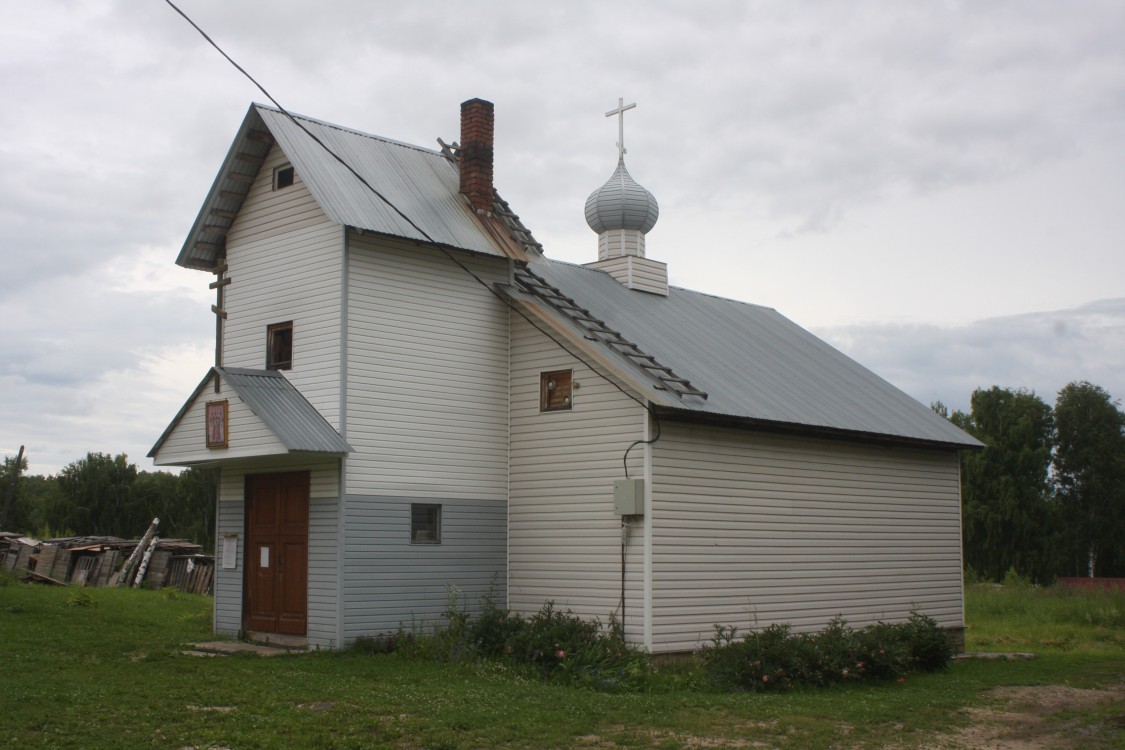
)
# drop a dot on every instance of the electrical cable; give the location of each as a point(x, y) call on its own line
point(635, 443)
point(309, 133)
point(624, 540)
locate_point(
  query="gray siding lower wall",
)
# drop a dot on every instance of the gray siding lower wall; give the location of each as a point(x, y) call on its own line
point(323, 571)
point(390, 582)
point(231, 518)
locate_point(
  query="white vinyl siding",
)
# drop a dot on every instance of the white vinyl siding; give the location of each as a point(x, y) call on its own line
point(324, 504)
point(427, 381)
point(751, 529)
point(269, 213)
point(564, 538)
point(642, 274)
point(247, 435)
point(285, 260)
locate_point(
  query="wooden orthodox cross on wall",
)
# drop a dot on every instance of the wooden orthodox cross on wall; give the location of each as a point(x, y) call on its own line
point(219, 285)
point(620, 111)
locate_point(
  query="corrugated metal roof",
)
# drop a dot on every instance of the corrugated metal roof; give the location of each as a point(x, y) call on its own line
point(753, 362)
point(421, 183)
point(282, 408)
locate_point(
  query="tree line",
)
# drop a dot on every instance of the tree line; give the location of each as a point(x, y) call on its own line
point(1045, 497)
point(105, 495)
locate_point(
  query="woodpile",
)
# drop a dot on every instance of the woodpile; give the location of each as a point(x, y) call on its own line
point(109, 561)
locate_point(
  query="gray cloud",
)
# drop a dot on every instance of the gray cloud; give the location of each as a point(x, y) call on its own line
point(810, 155)
point(1041, 351)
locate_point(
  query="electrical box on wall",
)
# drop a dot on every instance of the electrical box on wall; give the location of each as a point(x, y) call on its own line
point(629, 497)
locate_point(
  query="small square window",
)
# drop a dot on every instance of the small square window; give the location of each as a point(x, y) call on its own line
point(283, 177)
point(554, 390)
point(425, 523)
point(279, 346)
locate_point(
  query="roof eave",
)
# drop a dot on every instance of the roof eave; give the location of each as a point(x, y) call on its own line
point(180, 414)
point(204, 249)
point(792, 428)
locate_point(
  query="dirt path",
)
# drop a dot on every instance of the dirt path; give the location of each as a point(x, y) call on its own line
point(1028, 718)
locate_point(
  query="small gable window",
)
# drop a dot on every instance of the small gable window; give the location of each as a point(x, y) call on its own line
point(279, 346)
point(554, 390)
point(283, 177)
point(425, 523)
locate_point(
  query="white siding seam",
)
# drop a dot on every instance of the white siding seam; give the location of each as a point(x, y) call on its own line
point(508, 473)
point(218, 555)
point(647, 595)
point(341, 525)
point(344, 281)
point(961, 538)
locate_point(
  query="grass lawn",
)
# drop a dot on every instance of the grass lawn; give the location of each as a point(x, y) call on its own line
point(100, 668)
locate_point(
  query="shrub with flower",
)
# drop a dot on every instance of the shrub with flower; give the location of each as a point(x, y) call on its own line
point(777, 659)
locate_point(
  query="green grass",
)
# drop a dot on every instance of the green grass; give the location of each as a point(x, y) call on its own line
point(103, 668)
point(1023, 618)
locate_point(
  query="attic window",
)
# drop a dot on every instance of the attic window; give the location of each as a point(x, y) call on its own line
point(425, 523)
point(279, 346)
point(283, 177)
point(554, 390)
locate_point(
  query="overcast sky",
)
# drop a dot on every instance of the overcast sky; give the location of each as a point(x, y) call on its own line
point(937, 188)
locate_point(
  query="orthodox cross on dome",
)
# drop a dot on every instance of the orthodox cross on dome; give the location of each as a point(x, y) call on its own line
point(622, 107)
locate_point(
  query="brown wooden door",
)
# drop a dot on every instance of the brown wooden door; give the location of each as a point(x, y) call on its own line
point(277, 553)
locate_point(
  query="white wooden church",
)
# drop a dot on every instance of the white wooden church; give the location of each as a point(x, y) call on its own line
point(409, 395)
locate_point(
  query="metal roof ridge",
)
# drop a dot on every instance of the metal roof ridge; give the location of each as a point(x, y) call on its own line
point(351, 131)
point(724, 299)
point(245, 371)
point(585, 267)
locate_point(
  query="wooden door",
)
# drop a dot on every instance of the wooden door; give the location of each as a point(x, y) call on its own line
point(277, 553)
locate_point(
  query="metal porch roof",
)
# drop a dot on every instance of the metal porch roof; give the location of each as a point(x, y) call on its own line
point(288, 414)
point(282, 408)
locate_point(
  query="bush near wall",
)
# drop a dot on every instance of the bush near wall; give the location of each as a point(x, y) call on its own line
point(776, 658)
point(555, 645)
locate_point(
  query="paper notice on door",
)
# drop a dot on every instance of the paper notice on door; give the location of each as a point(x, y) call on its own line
point(264, 562)
point(230, 551)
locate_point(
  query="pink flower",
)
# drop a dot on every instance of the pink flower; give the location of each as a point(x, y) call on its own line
point(765, 678)
point(561, 654)
point(901, 680)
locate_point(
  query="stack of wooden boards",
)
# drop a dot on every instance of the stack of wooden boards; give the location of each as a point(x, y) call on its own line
point(103, 561)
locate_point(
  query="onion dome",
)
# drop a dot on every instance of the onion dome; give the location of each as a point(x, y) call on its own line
point(621, 204)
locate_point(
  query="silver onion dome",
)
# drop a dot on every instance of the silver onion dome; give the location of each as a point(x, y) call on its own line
point(621, 204)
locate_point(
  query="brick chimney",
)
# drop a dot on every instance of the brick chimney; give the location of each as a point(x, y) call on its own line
point(476, 153)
